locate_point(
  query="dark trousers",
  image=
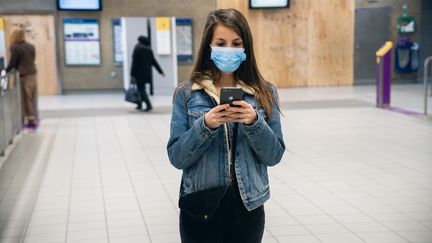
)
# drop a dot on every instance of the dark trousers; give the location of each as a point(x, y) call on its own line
point(232, 222)
point(144, 97)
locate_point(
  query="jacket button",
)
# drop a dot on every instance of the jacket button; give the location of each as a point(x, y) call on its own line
point(205, 216)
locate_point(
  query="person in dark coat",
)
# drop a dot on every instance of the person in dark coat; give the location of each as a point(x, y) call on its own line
point(142, 62)
point(23, 56)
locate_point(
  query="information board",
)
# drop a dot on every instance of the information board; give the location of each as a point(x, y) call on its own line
point(118, 53)
point(163, 35)
point(184, 40)
point(81, 42)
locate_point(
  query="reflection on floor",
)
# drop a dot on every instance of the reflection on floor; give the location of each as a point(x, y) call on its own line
point(97, 171)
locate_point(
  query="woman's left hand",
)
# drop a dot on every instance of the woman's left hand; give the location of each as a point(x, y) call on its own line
point(244, 113)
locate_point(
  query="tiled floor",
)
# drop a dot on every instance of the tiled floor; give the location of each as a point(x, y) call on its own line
point(97, 171)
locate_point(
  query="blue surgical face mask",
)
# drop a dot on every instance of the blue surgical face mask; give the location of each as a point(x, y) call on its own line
point(227, 59)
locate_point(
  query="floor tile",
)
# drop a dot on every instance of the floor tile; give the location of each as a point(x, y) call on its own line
point(382, 237)
point(351, 172)
point(339, 238)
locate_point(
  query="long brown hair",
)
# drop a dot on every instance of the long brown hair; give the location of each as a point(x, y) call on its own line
point(17, 36)
point(248, 71)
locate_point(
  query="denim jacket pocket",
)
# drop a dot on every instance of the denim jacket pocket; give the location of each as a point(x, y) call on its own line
point(197, 110)
point(258, 177)
point(196, 114)
point(188, 180)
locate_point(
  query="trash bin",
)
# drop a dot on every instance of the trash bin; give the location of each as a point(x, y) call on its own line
point(403, 55)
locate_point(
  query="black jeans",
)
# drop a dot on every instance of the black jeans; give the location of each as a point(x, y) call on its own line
point(232, 222)
point(144, 97)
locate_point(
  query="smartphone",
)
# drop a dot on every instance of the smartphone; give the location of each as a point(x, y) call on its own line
point(230, 94)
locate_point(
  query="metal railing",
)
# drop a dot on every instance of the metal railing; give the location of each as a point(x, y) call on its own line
point(10, 109)
point(425, 80)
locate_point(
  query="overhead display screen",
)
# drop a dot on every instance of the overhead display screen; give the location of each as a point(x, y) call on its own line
point(268, 3)
point(80, 5)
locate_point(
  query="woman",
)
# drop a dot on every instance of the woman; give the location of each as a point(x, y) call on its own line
point(22, 59)
point(224, 150)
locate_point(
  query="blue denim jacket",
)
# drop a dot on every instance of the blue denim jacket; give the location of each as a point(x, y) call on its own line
point(203, 153)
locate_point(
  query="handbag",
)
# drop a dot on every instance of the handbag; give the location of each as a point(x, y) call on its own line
point(132, 94)
point(203, 204)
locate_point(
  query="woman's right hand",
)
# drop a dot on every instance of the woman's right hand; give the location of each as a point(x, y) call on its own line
point(217, 116)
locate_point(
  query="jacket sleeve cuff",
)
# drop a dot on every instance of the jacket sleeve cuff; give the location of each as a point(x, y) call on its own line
point(204, 131)
point(256, 126)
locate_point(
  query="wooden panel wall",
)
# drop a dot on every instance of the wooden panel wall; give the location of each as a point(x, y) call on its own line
point(308, 44)
point(331, 42)
point(39, 32)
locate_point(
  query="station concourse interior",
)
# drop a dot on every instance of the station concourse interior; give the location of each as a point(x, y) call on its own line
point(96, 170)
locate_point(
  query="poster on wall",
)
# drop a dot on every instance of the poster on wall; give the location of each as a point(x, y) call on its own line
point(163, 36)
point(184, 40)
point(81, 42)
point(118, 53)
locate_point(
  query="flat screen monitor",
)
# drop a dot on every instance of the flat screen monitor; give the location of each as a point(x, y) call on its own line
point(268, 4)
point(79, 5)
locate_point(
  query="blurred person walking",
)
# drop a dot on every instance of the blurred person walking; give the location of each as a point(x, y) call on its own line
point(22, 59)
point(142, 62)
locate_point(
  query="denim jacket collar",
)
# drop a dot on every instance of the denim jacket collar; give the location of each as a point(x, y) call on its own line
point(210, 89)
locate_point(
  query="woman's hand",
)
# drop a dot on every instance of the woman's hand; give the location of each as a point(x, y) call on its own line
point(217, 116)
point(244, 113)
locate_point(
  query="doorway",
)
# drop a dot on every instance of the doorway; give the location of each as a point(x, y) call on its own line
point(40, 32)
point(372, 30)
point(162, 34)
